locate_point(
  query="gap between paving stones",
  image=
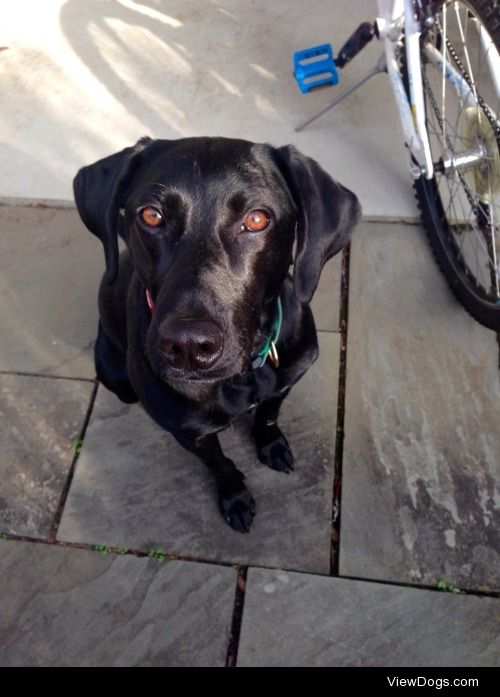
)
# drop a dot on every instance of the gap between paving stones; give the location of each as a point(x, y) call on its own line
point(339, 434)
point(237, 618)
point(25, 374)
point(20, 202)
point(69, 479)
point(155, 553)
point(65, 204)
point(162, 556)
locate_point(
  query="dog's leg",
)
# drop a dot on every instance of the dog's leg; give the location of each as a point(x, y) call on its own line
point(235, 501)
point(111, 368)
point(272, 446)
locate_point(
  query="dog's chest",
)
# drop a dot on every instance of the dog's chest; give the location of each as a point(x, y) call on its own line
point(242, 393)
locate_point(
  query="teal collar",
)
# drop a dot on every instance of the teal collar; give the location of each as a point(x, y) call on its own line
point(269, 350)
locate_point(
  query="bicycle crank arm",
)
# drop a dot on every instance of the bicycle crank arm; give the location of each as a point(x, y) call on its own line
point(355, 43)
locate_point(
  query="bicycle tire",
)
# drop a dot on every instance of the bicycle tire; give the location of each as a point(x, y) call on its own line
point(455, 236)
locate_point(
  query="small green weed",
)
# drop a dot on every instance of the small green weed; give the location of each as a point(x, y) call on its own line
point(447, 587)
point(101, 548)
point(78, 442)
point(158, 554)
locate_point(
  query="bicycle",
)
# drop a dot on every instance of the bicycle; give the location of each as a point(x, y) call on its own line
point(443, 61)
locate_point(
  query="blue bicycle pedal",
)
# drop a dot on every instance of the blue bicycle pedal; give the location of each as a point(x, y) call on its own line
point(315, 67)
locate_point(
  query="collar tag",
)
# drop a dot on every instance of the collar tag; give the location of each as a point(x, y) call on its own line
point(273, 355)
point(150, 301)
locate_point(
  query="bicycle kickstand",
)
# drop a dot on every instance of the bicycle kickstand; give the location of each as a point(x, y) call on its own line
point(379, 67)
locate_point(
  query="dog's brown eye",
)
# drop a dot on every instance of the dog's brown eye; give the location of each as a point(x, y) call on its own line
point(256, 221)
point(151, 216)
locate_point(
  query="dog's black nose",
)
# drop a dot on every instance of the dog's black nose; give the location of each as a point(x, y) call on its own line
point(191, 343)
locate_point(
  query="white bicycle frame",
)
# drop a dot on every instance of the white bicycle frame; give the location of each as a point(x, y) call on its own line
point(394, 17)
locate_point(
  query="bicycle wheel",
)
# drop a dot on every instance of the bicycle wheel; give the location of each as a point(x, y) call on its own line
point(460, 205)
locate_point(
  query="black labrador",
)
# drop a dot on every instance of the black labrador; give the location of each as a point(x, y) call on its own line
point(200, 319)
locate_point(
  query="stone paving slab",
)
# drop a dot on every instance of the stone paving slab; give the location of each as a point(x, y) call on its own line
point(134, 486)
point(40, 418)
point(68, 607)
point(50, 268)
point(293, 619)
point(421, 468)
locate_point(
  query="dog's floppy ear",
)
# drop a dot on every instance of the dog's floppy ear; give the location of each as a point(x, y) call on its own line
point(327, 214)
point(99, 190)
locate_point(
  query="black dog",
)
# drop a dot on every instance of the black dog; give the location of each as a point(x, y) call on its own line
point(199, 319)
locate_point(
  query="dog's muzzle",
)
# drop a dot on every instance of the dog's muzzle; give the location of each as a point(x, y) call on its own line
point(191, 344)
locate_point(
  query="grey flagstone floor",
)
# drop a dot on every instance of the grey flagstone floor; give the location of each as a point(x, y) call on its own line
point(419, 500)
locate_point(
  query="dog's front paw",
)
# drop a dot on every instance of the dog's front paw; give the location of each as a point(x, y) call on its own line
point(236, 503)
point(273, 450)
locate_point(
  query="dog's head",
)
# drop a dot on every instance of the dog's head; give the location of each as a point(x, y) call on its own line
point(211, 225)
